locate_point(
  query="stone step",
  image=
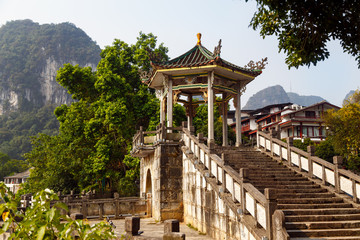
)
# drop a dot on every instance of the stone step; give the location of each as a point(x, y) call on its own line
point(317, 218)
point(322, 211)
point(329, 238)
point(281, 186)
point(251, 163)
point(259, 168)
point(324, 233)
point(278, 178)
point(270, 174)
point(309, 200)
point(301, 190)
point(253, 160)
point(314, 206)
point(323, 224)
point(305, 195)
point(284, 182)
point(311, 212)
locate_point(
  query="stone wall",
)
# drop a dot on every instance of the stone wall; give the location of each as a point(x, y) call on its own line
point(204, 209)
point(165, 168)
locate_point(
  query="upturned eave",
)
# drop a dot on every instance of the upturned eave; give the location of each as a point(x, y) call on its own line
point(156, 81)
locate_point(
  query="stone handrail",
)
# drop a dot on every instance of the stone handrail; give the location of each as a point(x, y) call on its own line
point(245, 199)
point(146, 139)
point(342, 180)
point(115, 207)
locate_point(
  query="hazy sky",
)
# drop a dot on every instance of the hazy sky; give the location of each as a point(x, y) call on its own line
point(176, 24)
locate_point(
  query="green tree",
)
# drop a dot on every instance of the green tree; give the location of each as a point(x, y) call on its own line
point(302, 144)
point(325, 150)
point(10, 166)
point(200, 123)
point(344, 130)
point(95, 132)
point(303, 28)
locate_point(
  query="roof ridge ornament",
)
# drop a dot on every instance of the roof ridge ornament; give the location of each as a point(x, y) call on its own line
point(199, 38)
point(217, 49)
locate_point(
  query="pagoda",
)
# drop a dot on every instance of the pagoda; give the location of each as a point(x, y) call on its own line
point(196, 77)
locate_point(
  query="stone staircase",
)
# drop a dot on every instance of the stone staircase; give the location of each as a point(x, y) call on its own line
point(311, 211)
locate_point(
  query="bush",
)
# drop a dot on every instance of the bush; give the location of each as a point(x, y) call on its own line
point(45, 221)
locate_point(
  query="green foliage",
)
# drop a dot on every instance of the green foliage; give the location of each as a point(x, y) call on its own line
point(17, 127)
point(303, 28)
point(10, 166)
point(179, 115)
point(303, 144)
point(325, 150)
point(44, 220)
point(200, 123)
point(95, 132)
point(344, 130)
point(127, 185)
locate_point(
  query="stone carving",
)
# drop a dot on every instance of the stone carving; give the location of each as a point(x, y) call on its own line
point(217, 49)
point(176, 95)
point(145, 75)
point(259, 65)
point(205, 94)
point(190, 80)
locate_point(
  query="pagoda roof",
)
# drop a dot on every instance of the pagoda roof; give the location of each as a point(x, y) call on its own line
point(200, 61)
point(201, 56)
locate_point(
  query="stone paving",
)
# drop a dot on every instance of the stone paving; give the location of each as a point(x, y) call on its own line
point(155, 230)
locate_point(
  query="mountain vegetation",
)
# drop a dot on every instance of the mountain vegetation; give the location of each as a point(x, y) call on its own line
point(16, 128)
point(29, 56)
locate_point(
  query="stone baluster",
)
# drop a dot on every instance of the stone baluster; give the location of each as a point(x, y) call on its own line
point(271, 205)
point(290, 143)
point(101, 210)
point(311, 153)
point(117, 205)
point(338, 160)
point(244, 178)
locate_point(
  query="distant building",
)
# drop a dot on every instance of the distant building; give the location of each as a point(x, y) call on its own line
point(306, 122)
point(291, 119)
point(13, 182)
point(266, 117)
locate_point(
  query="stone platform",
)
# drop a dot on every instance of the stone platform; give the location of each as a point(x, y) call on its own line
point(154, 230)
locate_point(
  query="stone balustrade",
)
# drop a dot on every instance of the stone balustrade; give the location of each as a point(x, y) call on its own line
point(144, 142)
point(236, 200)
point(114, 207)
point(330, 174)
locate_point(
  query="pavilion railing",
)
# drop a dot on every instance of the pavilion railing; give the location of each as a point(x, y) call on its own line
point(148, 139)
point(329, 174)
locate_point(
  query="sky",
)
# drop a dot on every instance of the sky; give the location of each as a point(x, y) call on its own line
point(176, 24)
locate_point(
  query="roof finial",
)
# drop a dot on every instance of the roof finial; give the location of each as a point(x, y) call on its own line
point(199, 38)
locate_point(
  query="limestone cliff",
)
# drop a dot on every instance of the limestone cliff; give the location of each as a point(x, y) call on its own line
point(31, 54)
point(276, 94)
